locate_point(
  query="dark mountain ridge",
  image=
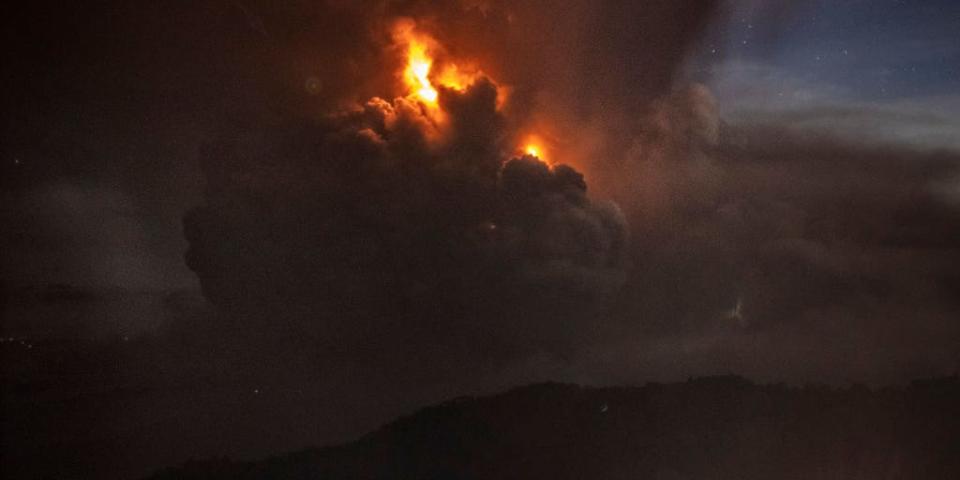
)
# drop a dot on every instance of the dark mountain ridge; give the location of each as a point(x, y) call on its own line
point(715, 427)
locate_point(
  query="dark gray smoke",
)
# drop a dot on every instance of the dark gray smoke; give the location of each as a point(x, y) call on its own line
point(374, 219)
point(329, 214)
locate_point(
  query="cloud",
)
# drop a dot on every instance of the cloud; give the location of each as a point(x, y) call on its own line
point(756, 94)
point(82, 233)
point(819, 237)
point(922, 123)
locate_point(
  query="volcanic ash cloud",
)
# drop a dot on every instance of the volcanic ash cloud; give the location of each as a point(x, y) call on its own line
point(416, 210)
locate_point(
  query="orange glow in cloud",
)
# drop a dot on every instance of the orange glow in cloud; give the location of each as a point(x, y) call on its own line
point(534, 146)
point(455, 78)
point(420, 75)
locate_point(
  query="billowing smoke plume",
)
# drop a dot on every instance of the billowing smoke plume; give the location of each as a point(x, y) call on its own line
point(345, 216)
point(382, 217)
point(348, 218)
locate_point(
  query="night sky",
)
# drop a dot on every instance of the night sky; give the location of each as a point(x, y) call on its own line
point(811, 63)
point(229, 223)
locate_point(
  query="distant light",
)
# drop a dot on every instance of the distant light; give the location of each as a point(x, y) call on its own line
point(533, 151)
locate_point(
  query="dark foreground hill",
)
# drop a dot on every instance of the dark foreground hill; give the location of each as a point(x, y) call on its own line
point(711, 428)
